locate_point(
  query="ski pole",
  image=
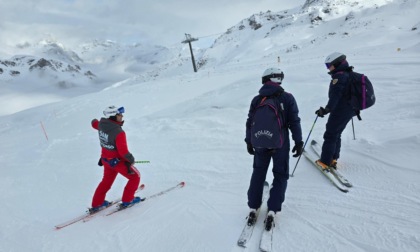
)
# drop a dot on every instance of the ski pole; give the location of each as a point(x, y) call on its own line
point(142, 162)
point(303, 149)
point(352, 125)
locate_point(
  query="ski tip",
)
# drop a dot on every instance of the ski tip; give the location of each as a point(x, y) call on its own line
point(344, 190)
point(241, 244)
point(182, 184)
point(313, 142)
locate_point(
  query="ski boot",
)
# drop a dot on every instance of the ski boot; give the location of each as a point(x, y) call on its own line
point(252, 217)
point(269, 221)
point(124, 205)
point(93, 210)
point(321, 164)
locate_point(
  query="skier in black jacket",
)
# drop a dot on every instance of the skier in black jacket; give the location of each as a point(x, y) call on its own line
point(289, 116)
point(338, 107)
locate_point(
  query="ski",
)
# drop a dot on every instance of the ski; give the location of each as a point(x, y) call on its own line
point(326, 172)
point(180, 185)
point(87, 216)
point(315, 146)
point(247, 230)
point(267, 238)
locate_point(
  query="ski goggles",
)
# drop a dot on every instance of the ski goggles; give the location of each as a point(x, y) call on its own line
point(277, 75)
point(328, 65)
point(120, 110)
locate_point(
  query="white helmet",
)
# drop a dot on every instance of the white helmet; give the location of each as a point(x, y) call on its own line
point(334, 59)
point(113, 111)
point(273, 74)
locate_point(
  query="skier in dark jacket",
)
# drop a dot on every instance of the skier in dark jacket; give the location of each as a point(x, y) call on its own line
point(289, 117)
point(338, 107)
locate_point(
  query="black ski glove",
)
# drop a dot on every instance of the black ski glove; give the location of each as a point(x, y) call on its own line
point(322, 111)
point(128, 165)
point(100, 162)
point(250, 149)
point(298, 149)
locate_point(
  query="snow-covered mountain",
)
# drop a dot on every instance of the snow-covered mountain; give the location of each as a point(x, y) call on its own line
point(24, 65)
point(96, 64)
point(49, 67)
point(272, 33)
point(276, 34)
point(191, 126)
point(108, 58)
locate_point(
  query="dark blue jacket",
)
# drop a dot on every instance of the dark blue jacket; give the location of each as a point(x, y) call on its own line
point(339, 92)
point(291, 112)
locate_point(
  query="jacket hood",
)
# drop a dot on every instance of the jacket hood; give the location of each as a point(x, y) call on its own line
point(270, 88)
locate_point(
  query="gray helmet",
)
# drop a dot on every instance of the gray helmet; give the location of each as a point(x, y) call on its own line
point(334, 59)
point(273, 74)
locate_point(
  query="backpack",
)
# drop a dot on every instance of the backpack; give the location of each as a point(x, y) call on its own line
point(362, 95)
point(266, 127)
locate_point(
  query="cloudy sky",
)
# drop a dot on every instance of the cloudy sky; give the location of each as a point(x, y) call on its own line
point(162, 22)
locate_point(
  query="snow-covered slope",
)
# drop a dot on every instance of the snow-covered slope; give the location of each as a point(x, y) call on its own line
point(191, 127)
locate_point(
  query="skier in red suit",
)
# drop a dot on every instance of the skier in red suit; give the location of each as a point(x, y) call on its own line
point(115, 158)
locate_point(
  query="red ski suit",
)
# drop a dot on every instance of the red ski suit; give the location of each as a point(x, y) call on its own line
point(114, 145)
